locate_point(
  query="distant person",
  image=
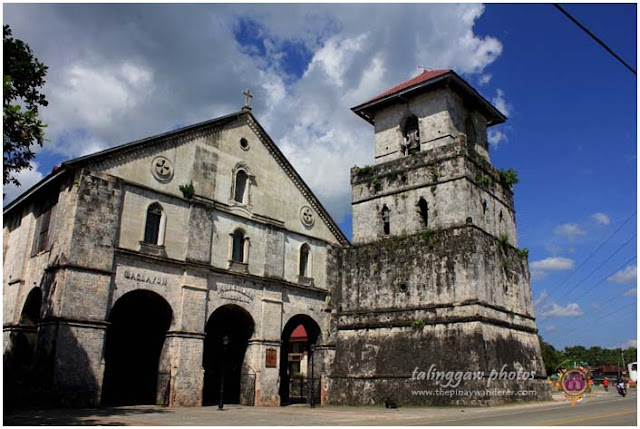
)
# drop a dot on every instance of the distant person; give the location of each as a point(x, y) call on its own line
point(605, 383)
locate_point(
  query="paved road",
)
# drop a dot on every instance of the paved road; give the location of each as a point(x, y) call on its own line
point(603, 409)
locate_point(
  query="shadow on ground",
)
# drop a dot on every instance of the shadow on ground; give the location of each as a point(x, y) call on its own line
point(116, 416)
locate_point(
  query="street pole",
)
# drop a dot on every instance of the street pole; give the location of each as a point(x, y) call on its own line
point(312, 395)
point(225, 343)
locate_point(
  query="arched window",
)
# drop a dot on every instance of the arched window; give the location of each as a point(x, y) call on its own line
point(241, 186)
point(424, 210)
point(385, 220)
point(305, 260)
point(411, 135)
point(153, 229)
point(237, 254)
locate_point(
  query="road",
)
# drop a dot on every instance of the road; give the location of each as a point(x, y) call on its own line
point(608, 409)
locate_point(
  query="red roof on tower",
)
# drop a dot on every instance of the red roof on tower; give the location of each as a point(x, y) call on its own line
point(426, 81)
point(422, 77)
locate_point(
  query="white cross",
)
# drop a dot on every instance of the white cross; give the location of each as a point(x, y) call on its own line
point(249, 96)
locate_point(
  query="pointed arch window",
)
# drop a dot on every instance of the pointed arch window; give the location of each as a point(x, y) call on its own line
point(241, 183)
point(386, 228)
point(424, 211)
point(154, 225)
point(305, 261)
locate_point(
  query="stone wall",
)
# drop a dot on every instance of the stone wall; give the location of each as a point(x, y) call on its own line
point(448, 178)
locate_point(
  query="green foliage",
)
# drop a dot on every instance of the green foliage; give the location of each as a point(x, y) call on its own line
point(418, 324)
point(23, 75)
point(187, 190)
point(377, 185)
point(297, 375)
point(504, 240)
point(509, 177)
point(365, 171)
point(427, 235)
point(484, 181)
point(523, 253)
point(591, 356)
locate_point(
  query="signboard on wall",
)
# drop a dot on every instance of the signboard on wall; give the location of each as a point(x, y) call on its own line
point(271, 358)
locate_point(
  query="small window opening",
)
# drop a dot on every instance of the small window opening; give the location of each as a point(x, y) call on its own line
point(484, 206)
point(244, 143)
point(411, 134)
point(304, 260)
point(152, 225)
point(238, 246)
point(500, 215)
point(385, 220)
point(424, 211)
point(241, 186)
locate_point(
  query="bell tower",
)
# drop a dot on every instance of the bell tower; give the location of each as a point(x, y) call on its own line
point(432, 167)
point(434, 278)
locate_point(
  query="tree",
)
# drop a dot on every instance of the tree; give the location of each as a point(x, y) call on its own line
point(551, 357)
point(23, 76)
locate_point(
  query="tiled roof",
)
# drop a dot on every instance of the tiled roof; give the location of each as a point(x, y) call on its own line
point(422, 77)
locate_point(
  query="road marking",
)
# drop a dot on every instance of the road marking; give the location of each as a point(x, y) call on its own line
point(600, 416)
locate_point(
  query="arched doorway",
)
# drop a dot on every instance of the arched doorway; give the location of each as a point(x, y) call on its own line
point(29, 319)
point(298, 335)
point(139, 321)
point(227, 361)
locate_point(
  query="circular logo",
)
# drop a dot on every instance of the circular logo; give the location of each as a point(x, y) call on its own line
point(574, 382)
point(306, 216)
point(162, 169)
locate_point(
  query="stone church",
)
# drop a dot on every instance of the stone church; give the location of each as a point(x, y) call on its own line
point(174, 270)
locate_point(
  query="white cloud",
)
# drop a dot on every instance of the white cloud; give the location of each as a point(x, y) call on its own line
point(501, 103)
point(116, 81)
point(625, 276)
point(496, 137)
point(631, 292)
point(569, 230)
point(27, 178)
point(601, 218)
point(551, 328)
point(556, 263)
point(540, 269)
point(546, 308)
point(485, 79)
point(629, 343)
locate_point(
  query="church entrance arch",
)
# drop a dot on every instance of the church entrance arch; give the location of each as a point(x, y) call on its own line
point(298, 336)
point(139, 321)
point(227, 336)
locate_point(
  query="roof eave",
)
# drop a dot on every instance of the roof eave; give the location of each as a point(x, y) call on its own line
point(32, 190)
point(494, 116)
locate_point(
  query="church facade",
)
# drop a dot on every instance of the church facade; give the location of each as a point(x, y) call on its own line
point(174, 270)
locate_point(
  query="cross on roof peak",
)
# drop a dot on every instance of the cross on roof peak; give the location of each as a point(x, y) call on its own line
point(248, 96)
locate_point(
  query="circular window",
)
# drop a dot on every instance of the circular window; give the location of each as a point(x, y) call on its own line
point(306, 216)
point(162, 169)
point(244, 144)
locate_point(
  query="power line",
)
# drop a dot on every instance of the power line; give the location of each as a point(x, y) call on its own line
point(593, 36)
point(604, 278)
point(595, 320)
point(564, 281)
point(599, 266)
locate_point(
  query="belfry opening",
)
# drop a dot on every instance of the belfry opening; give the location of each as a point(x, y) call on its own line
point(139, 322)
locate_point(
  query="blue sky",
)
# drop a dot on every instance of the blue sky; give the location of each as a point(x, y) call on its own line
point(130, 71)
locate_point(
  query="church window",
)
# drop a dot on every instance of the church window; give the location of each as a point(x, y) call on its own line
point(237, 254)
point(411, 136)
point(43, 229)
point(154, 225)
point(241, 186)
point(305, 260)
point(424, 211)
point(385, 220)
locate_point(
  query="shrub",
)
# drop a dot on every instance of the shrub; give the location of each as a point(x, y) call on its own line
point(188, 190)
